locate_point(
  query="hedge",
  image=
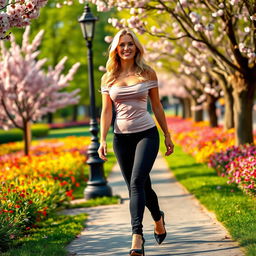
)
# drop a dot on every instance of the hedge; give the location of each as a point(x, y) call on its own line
point(15, 134)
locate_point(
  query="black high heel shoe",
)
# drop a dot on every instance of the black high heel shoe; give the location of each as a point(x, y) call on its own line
point(160, 237)
point(138, 252)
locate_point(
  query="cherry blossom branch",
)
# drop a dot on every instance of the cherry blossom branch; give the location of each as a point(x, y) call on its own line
point(9, 115)
point(3, 7)
point(169, 10)
point(210, 6)
point(165, 36)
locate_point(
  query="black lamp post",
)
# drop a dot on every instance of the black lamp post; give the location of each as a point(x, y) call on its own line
point(97, 184)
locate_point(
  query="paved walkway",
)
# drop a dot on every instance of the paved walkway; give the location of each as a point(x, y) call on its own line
point(191, 229)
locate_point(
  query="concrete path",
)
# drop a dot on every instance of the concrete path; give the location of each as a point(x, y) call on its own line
point(191, 229)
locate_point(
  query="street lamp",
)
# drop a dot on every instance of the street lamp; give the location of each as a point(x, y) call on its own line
point(97, 184)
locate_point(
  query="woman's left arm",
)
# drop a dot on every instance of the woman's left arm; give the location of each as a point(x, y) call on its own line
point(160, 115)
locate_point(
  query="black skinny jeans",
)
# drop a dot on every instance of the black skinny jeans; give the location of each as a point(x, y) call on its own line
point(136, 154)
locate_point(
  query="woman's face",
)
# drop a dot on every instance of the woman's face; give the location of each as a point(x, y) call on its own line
point(126, 48)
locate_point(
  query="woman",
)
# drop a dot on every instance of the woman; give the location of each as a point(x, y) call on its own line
point(128, 82)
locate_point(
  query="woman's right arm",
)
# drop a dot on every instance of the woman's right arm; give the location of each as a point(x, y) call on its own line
point(105, 122)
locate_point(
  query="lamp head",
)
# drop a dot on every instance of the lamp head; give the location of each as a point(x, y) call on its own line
point(87, 22)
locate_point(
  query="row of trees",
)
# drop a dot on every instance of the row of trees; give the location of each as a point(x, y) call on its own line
point(213, 43)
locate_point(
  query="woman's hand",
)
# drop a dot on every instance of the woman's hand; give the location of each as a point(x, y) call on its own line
point(169, 145)
point(102, 151)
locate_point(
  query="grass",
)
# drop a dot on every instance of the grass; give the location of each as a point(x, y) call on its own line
point(231, 206)
point(15, 134)
point(76, 131)
point(96, 202)
point(50, 238)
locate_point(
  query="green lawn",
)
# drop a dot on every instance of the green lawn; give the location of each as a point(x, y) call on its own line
point(76, 131)
point(232, 207)
point(50, 238)
point(97, 201)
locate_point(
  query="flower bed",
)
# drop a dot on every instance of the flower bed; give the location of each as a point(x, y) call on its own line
point(239, 164)
point(15, 134)
point(198, 139)
point(34, 186)
point(216, 147)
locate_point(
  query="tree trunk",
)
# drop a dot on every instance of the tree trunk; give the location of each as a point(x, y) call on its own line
point(243, 117)
point(229, 100)
point(176, 109)
point(244, 88)
point(186, 107)
point(211, 109)
point(188, 112)
point(75, 113)
point(86, 111)
point(182, 103)
point(27, 137)
point(197, 111)
point(197, 115)
point(50, 118)
point(229, 109)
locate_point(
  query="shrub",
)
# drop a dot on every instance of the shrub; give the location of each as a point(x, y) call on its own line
point(242, 171)
point(220, 160)
point(15, 134)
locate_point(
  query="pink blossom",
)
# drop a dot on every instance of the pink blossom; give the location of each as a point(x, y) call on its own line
point(108, 39)
point(197, 107)
point(195, 18)
point(253, 17)
point(220, 12)
point(234, 2)
point(199, 27)
point(247, 29)
point(183, 3)
point(102, 68)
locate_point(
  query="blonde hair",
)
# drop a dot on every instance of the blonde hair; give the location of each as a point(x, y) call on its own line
point(113, 63)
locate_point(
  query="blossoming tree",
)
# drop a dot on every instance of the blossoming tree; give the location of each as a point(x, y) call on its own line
point(18, 14)
point(194, 64)
point(227, 28)
point(26, 91)
point(170, 85)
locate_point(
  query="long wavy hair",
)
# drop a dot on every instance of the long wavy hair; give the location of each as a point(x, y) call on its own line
point(113, 63)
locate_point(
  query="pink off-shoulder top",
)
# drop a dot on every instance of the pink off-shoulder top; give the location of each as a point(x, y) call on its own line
point(131, 106)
